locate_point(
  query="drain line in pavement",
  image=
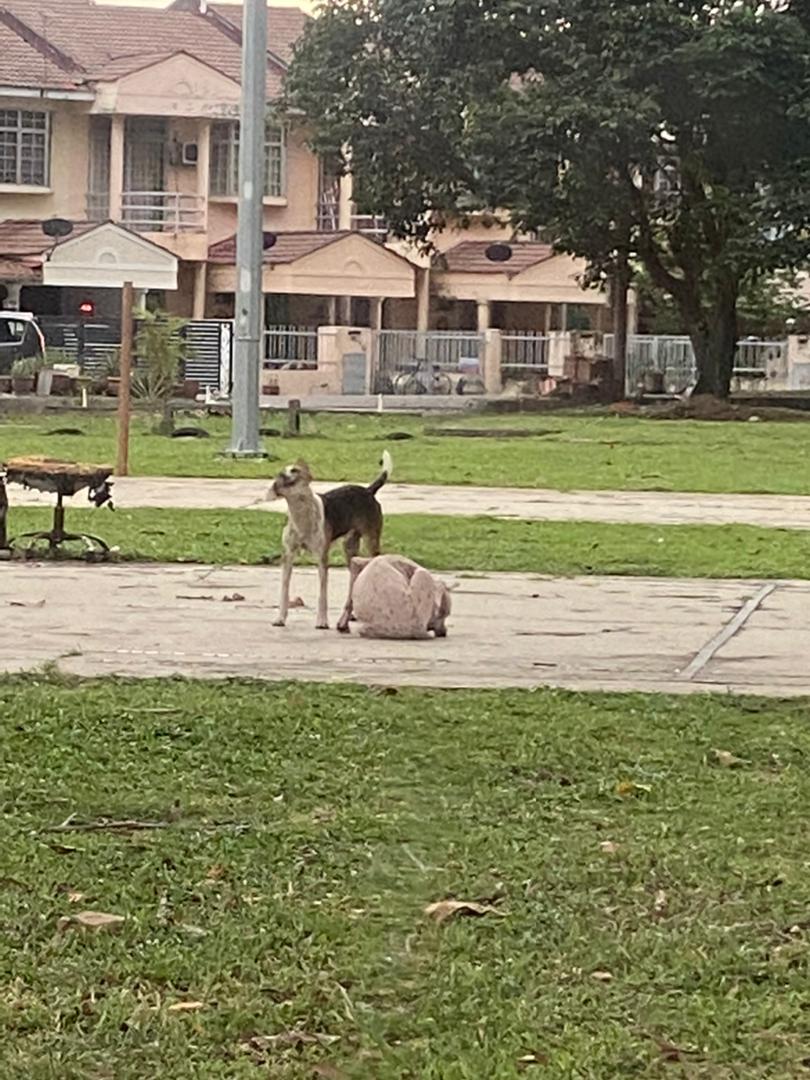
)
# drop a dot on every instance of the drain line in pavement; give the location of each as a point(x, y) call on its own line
point(733, 627)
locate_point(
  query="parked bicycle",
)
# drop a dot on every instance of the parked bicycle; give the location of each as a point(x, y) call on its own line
point(423, 378)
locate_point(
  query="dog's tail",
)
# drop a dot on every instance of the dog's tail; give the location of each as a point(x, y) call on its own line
point(387, 469)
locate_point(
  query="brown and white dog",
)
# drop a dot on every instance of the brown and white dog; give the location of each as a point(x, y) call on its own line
point(396, 598)
point(315, 522)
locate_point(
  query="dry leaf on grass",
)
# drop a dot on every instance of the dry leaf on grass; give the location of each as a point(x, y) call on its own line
point(92, 920)
point(295, 1038)
point(627, 788)
point(328, 1072)
point(444, 910)
point(186, 1006)
point(609, 847)
point(527, 1061)
point(74, 897)
point(602, 976)
point(661, 902)
point(726, 760)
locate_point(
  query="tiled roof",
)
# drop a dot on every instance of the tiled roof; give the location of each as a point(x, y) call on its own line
point(23, 65)
point(106, 42)
point(285, 25)
point(23, 241)
point(469, 257)
point(287, 248)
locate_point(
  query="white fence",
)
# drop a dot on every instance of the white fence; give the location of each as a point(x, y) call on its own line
point(674, 358)
point(285, 345)
point(525, 353)
point(422, 353)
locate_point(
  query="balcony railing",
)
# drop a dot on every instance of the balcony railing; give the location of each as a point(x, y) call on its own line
point(370, 225)
point(163, 211)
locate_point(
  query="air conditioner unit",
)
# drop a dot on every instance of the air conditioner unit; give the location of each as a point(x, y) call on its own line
point(191, 153)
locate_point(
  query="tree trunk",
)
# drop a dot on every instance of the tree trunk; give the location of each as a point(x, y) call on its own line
point(715, 343)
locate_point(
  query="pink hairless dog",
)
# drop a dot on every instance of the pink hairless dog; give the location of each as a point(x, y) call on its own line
point(396, 598)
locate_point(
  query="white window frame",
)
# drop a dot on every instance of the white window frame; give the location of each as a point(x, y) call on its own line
point(22, 129)
point(224, 175)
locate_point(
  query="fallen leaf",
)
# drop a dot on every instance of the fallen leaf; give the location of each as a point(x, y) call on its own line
point(92, 920)
point(444, 910)
point(328, 1072)
point(528, 1060)
point(74, 897)
point(726, 760)
point(215, 873)
point(609, 847)
point(295, 1037)
point(661, 902)
point(186, 1006)
point(626, 788)
point(234, 598)
point(602, 976)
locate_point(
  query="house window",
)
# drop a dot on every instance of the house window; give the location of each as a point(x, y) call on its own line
point(24, 146)
point(225, 160)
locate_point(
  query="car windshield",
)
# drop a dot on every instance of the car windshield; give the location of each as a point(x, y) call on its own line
point(12, 331)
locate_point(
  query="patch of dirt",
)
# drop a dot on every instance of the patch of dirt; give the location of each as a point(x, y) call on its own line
point(709, 408)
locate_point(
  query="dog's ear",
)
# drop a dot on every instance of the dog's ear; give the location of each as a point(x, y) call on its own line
point(306, 472)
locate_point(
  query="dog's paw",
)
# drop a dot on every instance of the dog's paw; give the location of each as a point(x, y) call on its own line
point(279, 622)
point(343, 628)
point(322, 626)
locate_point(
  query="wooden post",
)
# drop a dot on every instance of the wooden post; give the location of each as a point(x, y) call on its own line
point(3, 514)
point(294, 417)
point(125, 375)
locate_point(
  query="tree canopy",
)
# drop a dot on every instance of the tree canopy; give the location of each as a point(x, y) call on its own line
point(672, 133)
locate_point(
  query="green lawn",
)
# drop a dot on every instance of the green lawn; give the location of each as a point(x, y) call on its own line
point(453, 543)
point(650, 902)
point(589, 452)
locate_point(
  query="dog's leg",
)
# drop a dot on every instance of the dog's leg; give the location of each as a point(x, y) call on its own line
point(356, 567)
point(351, 547)
point(323, 592)
point(291, 547)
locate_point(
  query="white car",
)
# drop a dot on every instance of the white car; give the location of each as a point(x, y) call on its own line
point(20, 336)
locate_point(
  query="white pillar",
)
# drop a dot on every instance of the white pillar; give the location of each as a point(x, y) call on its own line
point(332, 310)
point(344, 310)
point(563, 317)
point(491, 367)
point(203, 168)
point(12, 300)
point(345, 203)
point(483, 316)
point(200, 286)
point(116, 166)
point(423, 298)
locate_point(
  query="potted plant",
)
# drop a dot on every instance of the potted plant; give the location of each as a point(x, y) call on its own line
point(24, 373)
point(161, 350)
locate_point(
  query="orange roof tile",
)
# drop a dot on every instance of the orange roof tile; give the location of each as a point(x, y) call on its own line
point(469, 257)
point(23, 241)
point(288, 247)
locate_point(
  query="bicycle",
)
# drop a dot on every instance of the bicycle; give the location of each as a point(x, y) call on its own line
point(417, 380)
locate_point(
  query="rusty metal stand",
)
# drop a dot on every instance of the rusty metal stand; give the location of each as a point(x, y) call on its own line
point(57, 535)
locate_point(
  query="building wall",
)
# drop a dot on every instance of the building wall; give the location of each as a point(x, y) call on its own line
point(66, 196)
point(296, 212)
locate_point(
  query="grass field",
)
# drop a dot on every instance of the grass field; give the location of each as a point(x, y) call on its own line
point(649, 893)
point(588, 452)
point(451, 543)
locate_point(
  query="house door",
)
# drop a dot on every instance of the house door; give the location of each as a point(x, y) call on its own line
point(145, 142)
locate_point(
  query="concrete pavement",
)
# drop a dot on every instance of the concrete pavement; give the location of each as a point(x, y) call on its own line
point(622, 507)
point(507, 630)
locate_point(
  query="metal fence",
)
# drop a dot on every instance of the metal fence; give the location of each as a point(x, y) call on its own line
point(525, 353)
point(290, 345)
point(674, 358)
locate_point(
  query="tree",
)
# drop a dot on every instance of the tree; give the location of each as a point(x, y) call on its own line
point(161, 349)
point(672, 133)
